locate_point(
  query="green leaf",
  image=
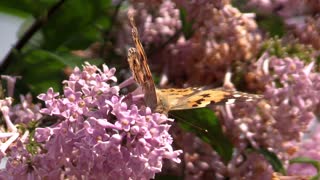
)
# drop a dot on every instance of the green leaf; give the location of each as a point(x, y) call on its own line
point(27, 6)
point(279, 48)
point(186, 26)
point(273, 159)
point(205, 124)
point(39, 70)
point(310, 161)
point(71, 60)
point(272, 24)
point(42, 69)
point(75, 24)
point(13, 11)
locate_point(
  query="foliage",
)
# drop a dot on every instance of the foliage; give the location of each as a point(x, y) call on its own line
point(75, 25)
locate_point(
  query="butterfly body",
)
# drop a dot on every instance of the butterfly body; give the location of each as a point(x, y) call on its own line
point(165, 100)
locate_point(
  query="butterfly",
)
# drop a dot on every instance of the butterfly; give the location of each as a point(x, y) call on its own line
point(165, 100)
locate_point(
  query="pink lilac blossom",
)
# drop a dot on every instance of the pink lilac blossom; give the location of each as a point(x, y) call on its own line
point(11, 81)
point(160, 27)
point(291, 98)
point(306, 29)
point(26, 111)
point(16, 116)
point(301, 17)
point(157, 22)
point(249, 165)
point(194, 8)
point(309, 147)
point(10, 134)
point(15, 137)
point(284, 8)
point(99, 133)
point(200, 160)
point(221, 36)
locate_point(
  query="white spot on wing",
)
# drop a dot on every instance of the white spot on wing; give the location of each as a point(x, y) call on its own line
point(237, 95)
point(230, 101)
point(243, 127)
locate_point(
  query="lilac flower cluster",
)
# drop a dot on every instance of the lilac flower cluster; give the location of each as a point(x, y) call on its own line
point(97, 134)
point(16, 117)
point(291, 96)
point(290, 88)
point(200, 160)
point(249, 165)
point(309, 147)
point(221, 36)
point(284, 8)
point(26, 111)
point(307, 29)
point(9, 135)
point(301, 17)
point(264, 124)
point(157, 22)
point(15, 133)
point(159, 27)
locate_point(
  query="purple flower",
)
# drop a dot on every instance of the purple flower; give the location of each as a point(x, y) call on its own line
point(103, 134)
point(309, 147)
point(291, 98)
point(11, 81)
point(25, 111)
point(19, 114)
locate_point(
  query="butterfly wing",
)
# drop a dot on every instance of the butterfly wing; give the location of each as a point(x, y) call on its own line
point(140, 69)
point(197, 98)
point(164, 100)
point(168, 98)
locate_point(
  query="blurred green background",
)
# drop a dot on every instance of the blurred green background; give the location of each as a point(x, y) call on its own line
point(61, 26)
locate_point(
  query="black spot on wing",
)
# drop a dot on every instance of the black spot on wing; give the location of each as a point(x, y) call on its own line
point(205, 95)
point(194, 105)
point(199, 102)
point(231, 98)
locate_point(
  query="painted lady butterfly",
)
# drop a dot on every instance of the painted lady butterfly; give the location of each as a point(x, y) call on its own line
point(165, 100)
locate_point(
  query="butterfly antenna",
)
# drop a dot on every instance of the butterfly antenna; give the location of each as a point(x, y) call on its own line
point(191, 124)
